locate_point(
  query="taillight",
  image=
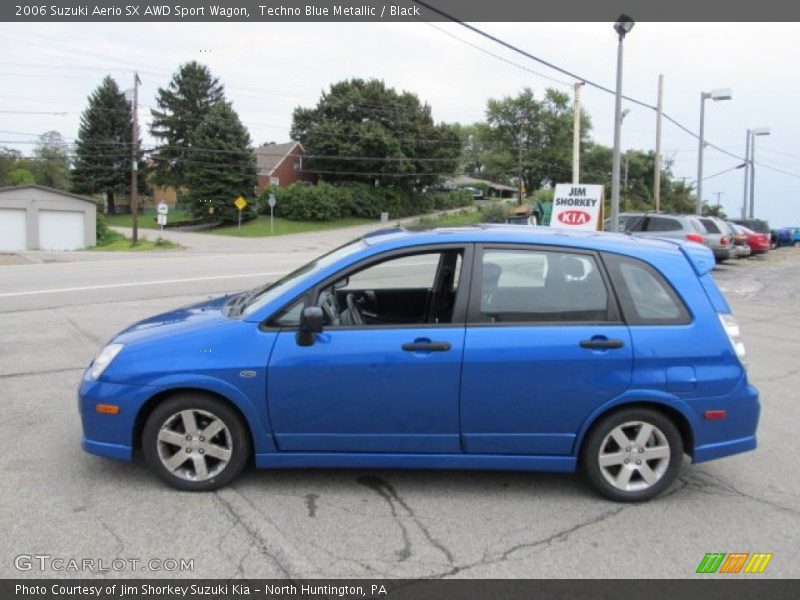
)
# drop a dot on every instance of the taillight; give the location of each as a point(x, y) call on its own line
point(724, 241)
point(731, 328)
point(695, 237)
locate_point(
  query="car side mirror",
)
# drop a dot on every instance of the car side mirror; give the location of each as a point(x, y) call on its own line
point(311, 320)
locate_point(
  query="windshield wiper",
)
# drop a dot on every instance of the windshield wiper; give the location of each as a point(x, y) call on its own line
point(237, 304)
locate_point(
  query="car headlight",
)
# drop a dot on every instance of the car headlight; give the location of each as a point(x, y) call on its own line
point(101, 362)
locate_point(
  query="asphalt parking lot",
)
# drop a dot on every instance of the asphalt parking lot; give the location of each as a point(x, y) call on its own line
point(61, 502)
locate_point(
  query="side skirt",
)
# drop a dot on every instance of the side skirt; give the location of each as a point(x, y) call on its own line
point(343, 460)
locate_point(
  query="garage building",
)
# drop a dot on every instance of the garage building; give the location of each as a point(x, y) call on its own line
point(34, 217)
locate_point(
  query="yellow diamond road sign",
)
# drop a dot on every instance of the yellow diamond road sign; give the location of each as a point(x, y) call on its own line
point(240, 203)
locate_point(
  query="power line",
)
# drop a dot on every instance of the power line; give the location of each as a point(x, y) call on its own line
point(570, 74)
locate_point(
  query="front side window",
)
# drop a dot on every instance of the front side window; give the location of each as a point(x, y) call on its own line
point(408, 290)
point(533, 286)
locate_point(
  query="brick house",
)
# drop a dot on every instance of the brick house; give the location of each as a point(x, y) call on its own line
point(282, 165)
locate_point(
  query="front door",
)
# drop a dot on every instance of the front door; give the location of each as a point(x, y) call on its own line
point(384, 374)
point(544, 347)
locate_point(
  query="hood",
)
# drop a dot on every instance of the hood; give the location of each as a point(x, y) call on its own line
point(208, 311)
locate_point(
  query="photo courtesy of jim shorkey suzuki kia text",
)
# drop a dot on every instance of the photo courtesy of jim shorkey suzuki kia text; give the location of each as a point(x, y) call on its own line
point(201, 591)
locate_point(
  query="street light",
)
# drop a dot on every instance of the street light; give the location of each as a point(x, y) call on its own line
point(715, 95)
point(623, 26)
point(752, 155)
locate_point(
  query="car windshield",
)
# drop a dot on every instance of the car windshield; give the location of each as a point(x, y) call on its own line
point(263, 296)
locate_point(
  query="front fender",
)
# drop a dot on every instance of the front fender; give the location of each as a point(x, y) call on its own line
point(639, 397)
point(256, 415)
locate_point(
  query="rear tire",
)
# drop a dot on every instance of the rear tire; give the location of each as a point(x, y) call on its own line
point(195, 442)
point(632, 455)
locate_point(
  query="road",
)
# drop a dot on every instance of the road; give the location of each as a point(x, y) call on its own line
point(59, 501)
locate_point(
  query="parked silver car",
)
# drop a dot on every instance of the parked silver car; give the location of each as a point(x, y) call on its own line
point(684, 227)
point(719, 237)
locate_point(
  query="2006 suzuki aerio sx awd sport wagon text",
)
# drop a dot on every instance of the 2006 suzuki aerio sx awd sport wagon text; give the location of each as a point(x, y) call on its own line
point(489, 347)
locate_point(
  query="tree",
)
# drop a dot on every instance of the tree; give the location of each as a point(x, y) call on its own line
point(182, 106)
point(103, 147)
point(544, 130)
point(52, 161)
point(8, 162)
point(363, 131)
point(221, 165)
point(475, 148)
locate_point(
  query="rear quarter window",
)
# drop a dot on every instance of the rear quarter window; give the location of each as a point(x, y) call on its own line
point(645, 296)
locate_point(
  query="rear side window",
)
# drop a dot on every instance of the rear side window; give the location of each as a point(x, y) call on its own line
point(663, 224)
point(710, 226)
point(535, 286)
point(646, 297)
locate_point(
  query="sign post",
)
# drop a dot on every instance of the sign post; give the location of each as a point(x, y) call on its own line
point(272, 202)
point(240, 203)
point(577, 206)
point(162, 209)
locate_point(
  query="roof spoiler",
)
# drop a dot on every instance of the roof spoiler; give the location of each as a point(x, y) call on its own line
point(701, 257)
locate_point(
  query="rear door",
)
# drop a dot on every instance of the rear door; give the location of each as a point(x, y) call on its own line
point(544, 347)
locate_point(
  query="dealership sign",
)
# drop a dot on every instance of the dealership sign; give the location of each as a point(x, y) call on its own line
point(577, 206)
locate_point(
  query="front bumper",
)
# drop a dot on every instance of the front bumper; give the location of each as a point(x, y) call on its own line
point(104, 434)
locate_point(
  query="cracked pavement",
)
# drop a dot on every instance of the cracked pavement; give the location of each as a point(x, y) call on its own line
point(300, 523)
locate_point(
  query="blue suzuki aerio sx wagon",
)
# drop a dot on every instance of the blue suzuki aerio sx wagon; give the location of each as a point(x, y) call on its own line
point(487, 347)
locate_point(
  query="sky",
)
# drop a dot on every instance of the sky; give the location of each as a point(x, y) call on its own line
point(270, 68)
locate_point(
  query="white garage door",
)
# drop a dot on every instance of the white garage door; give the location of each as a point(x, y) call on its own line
point(12, 230)
point(61, 230)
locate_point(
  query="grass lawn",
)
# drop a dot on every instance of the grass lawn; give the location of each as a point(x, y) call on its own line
point(259, 227)
point(146, 220)
point(123, 244)
point(459, 218)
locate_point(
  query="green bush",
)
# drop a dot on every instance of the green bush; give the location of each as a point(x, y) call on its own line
point(493, 213)
point(105, 235)
point(327, 202)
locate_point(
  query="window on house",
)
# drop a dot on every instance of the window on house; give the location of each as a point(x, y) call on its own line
point(298, 163)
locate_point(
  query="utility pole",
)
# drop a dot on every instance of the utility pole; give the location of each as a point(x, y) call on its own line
point(657, 174)
point(746, 176)
point(523, 121)
point(576, 134)
point(718, 194)
point(135, 160)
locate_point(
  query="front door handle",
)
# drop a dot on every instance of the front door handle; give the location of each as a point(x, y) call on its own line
point(601, 344)
point(426, 347)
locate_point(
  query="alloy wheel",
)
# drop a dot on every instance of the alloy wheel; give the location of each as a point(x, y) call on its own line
point(194, 445)
point(634, 456)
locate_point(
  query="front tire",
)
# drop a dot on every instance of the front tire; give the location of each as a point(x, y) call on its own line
point(632, 455)
point(195, 442)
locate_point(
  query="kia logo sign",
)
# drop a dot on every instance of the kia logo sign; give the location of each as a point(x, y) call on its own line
point(574, 217)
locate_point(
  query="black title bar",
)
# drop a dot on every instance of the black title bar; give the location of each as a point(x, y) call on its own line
point(397, 10)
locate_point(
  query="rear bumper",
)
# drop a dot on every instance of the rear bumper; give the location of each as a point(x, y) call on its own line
point(732, 435)
point(723, 449)
point(722, 253)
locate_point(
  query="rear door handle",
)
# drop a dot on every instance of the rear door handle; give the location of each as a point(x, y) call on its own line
point(601, 344)
point(427, 347)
